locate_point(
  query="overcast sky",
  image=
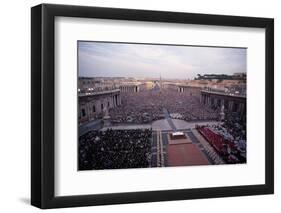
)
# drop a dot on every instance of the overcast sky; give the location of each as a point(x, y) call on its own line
point(98, 59)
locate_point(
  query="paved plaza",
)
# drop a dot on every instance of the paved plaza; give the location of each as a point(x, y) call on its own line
point(194, 153)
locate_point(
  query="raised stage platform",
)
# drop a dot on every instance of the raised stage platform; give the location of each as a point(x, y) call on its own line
point(178, 138)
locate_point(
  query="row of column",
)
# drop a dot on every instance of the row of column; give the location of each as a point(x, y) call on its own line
point(231, 105)
point(205, 99)
point(182, 89)
point(116, 100)
point(92, 108)
point(129, 88)
point(190, 90)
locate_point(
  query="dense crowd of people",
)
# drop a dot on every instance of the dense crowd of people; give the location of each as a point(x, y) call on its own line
point(236, 126)
point(115, 149)
point(228, 139)
point(147, 106)
point(188, 106)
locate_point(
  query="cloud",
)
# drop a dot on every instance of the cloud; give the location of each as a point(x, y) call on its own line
point(143, 60)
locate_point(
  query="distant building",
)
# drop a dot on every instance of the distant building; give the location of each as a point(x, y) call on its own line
point(88, 85)
point(147, 85)
point(191, 90)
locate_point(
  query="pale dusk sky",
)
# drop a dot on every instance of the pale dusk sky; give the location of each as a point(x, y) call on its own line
point(102, 59)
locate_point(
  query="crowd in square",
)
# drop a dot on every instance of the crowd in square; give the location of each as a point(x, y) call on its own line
point(228, 139)
point(147, 106)
point(115, 149)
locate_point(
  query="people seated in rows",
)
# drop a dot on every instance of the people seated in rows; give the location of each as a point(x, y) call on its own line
point(115, 149)
point(228, 138)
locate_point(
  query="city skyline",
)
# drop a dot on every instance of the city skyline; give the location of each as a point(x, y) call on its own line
point(141, 78)
point(104, 59)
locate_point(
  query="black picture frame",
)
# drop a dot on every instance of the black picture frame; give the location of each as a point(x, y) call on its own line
point(43, 102)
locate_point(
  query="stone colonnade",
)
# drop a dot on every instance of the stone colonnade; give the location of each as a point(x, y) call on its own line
point(192, 90)
point(92, 106)
point(231, 103)
point(129, 88)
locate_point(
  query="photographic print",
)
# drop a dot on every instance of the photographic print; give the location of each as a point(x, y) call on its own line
point(114, 102)
point(160, 105)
